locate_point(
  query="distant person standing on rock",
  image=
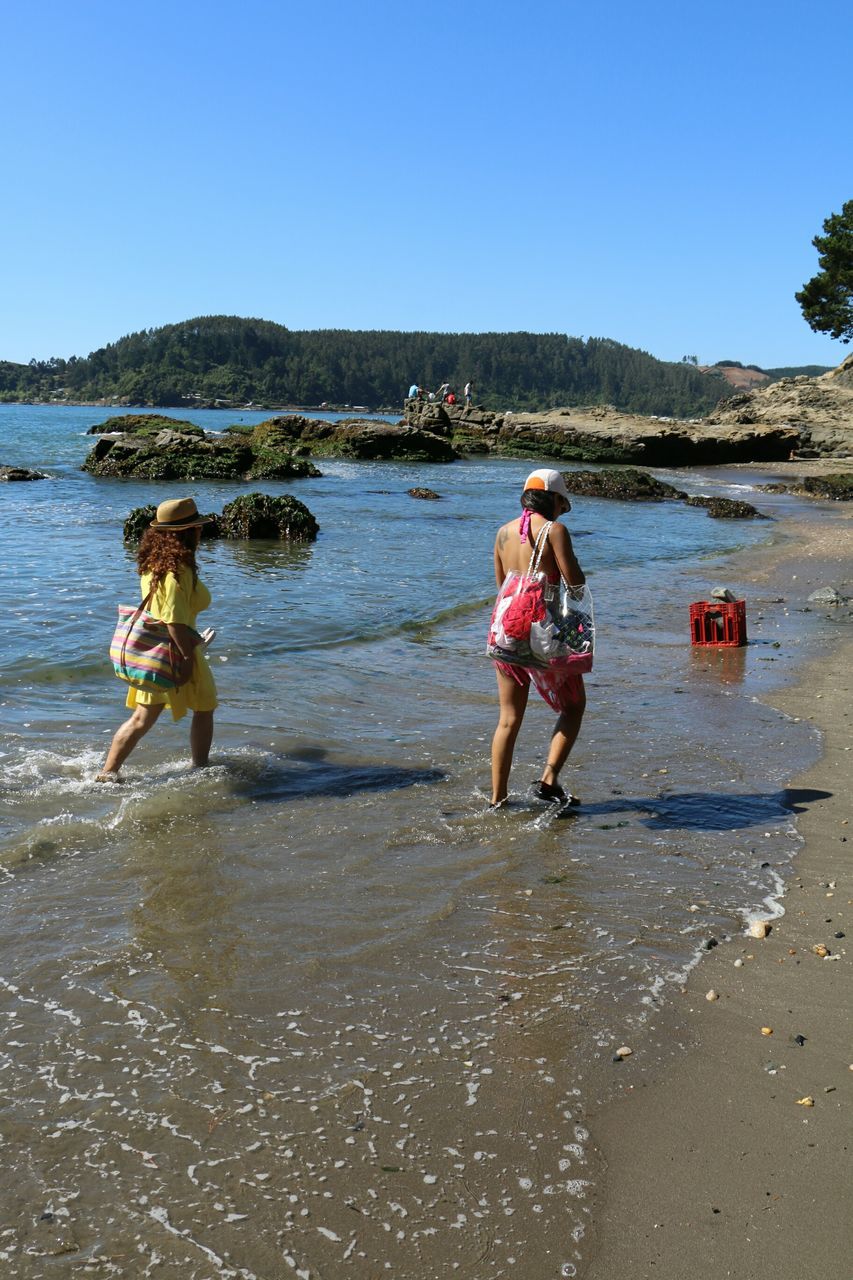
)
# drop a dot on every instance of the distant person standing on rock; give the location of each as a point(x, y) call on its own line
point(469, 391)
point(413, 391)
point(442, 391)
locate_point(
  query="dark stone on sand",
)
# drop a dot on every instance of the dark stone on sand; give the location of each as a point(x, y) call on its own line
point(709, 944)
point(725, 508)
point(626, 483)
point(20, 473)
point(428, 495)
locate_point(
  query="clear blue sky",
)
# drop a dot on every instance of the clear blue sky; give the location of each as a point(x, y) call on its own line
point(648, 172)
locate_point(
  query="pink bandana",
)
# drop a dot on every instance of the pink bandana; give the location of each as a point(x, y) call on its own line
point(524, 526)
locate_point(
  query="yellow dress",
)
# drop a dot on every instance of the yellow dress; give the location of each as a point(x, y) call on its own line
point(177, 600)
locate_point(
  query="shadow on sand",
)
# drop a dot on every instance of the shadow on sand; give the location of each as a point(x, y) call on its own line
point(710, 810)
point(308, 774)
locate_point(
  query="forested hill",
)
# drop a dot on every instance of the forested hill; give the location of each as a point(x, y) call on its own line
point(225, 358)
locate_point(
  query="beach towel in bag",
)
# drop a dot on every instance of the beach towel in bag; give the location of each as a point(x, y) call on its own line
point(540, 624)
point(566, 637)
point(142, 652)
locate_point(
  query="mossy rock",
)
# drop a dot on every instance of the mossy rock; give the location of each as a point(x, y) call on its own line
point(626, 483)
point(145, 424)
point(725, 508)
point(258, 515)
point(140, 518)
point(428, 495)
point(839, 487)
point(181, 458)
point(279, 464)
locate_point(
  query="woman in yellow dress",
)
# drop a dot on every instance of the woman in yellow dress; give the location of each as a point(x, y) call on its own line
point(167, 567)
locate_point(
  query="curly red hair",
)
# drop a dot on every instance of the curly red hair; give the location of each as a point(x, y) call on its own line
point(167, 551)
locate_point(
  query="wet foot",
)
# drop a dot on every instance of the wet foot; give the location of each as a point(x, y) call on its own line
point(107, 777)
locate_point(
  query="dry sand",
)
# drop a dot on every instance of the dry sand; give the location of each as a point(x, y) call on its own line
point(714, 1165)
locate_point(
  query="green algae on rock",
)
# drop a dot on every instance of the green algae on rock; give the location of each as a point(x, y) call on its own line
point(626, 483)
point(144, 424)
point(363, 439)
point(252, 515)
point(725, 508)
point(258, 515)
point(171, 453)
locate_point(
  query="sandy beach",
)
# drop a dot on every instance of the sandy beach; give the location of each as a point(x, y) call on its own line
point(730, 1157)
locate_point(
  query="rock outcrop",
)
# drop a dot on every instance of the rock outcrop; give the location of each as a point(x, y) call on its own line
point(21, 473)
point(819, 410)
point(625, 483)
point(839, 487)
point(725, 508)
point(805, 416)
point(144, 451)
point(600, 434)
point(361, 438)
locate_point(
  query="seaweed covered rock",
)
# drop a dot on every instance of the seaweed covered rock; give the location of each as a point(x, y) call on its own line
point(725, 508)
point(626, 483)
point(839, 487)
point(170, 455)
point(144, 424)
point(359, 438)
point(428, 495)
point(175, 455)
point(140, 518)
point(257, 515)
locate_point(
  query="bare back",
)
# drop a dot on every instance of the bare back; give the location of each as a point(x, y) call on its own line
point(558, 557)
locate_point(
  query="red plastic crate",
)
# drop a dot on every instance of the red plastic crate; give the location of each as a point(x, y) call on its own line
point(718, 622)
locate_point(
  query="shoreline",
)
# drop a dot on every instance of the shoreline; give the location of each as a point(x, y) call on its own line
point(707, 1165)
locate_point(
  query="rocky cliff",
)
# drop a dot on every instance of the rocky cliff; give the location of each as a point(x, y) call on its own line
point(796, 416)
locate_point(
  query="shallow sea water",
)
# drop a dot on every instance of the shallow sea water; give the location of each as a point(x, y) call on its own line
point(312, 1011)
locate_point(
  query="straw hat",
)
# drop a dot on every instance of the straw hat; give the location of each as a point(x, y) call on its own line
point(178, 513)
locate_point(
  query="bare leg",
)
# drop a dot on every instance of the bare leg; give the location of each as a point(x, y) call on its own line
point(126, 738)
point(513, 700)
point(563, 739)
point(201, 736)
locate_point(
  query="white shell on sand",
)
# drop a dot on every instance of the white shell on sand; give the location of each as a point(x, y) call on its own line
point(624, 1052)
point(711, 995)
point(759, 929)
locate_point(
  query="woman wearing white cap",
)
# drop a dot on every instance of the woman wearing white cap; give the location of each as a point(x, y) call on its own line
point(545, 498)
point(168, 573)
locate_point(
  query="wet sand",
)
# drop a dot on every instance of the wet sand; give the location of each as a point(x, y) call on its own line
point(713, 1163)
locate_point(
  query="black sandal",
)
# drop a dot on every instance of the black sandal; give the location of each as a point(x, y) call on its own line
point(553, 793)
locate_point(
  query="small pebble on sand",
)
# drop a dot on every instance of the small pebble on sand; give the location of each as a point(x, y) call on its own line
point(711, 995)
point(759, 929)
point(624, 1052)
point(805, 1102)
point(738, 963)
point(767, 1031)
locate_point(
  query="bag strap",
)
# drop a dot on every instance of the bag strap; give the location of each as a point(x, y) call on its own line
point(538, 548)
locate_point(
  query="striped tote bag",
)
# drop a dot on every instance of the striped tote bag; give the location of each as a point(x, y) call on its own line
point(142, 652)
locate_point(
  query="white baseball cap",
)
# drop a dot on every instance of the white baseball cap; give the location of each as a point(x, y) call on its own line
point(548, 480)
